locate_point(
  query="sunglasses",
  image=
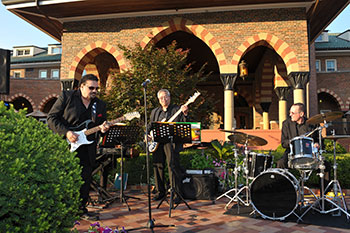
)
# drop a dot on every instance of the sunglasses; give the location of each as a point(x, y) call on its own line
point(93, 88)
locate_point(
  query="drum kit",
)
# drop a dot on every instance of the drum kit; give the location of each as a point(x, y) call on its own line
point(275, 193)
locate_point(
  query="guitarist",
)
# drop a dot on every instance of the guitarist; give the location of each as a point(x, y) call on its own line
point(164, 151)
point(71, 109)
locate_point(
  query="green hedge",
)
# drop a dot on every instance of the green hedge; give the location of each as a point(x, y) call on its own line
point(39, 177)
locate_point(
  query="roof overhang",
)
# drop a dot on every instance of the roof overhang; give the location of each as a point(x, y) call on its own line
point(49, 15)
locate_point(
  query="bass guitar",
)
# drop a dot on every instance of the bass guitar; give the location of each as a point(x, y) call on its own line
point(83, 131)
point(152, 145)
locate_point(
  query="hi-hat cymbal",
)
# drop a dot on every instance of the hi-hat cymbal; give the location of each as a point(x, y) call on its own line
point(251, 140)
point(320, 118)
point(335, 137)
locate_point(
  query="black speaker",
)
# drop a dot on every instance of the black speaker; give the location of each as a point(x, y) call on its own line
point(5, 71)
point(200, 186)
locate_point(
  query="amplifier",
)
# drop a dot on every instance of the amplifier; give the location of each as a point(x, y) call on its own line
point(200, 186)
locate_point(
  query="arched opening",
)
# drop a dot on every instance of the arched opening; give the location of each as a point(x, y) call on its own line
point(22, 103)
point(262, 61)
point(100, 63)
point(243, 113)
point(327, 103)
point(199, 54)
point(49, 105)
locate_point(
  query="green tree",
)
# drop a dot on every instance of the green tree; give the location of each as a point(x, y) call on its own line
point(166, 68)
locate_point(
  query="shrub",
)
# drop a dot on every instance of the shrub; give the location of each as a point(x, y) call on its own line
point(329, 147)
point(39, 177)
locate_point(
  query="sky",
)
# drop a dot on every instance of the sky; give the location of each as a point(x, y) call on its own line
point(14, 31)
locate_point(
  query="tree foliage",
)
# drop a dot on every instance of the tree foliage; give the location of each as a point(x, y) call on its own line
point(166, 68)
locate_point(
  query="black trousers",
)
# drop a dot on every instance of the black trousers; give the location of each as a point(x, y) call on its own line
point(87, 169)
point(166, 152)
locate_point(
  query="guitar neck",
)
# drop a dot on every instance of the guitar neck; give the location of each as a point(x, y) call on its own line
point(97, 128)
point(177, 113)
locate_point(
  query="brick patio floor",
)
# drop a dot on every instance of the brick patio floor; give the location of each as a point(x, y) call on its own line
point(204, 216)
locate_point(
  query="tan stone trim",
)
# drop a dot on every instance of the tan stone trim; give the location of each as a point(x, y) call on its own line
point(88, 53)
point(280, 47)
point(181, 24)
point(336, 96)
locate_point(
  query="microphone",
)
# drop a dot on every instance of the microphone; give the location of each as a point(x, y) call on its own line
point(146, 82)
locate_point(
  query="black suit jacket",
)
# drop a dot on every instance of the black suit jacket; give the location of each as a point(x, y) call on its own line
point(69, 111)
point(172, 109)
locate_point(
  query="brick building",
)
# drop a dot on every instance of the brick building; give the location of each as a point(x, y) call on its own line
point(34, 78)
point(274, 38)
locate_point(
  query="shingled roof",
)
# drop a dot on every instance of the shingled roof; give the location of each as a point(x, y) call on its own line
point(335, 42)
point(41, 57)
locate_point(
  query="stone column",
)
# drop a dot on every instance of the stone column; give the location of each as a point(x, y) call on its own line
point(282, 93)
point(298, 81)
point(228, 80)
point(265, 107)
point(67, 84)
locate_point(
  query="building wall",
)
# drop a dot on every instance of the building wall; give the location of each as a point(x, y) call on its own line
point(335, 83)
point(230, 30)
point(37, 91)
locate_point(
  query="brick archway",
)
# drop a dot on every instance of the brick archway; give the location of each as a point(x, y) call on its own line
point(332, 93)
point(280, 47)
point(12, 98)
point(45, 100)
point(181, 24)
point(347, 104)
point(248, 97)
point(86, 55)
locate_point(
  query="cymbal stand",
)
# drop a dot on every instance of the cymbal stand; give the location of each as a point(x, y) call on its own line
point(320, 202)
point(246, 187)
point(303, 178)
point(235, 189)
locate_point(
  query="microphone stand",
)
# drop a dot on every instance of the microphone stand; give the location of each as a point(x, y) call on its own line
point(150, 223)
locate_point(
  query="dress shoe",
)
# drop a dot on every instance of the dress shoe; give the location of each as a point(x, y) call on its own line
point(158, 197)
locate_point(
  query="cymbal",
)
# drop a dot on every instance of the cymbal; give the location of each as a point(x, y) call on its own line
point(251, 140)
point(335, 137)
point(231, 131)
point(320, 118)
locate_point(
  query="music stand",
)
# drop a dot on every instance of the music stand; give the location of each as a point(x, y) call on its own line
point(121, 135)
point(171, 132)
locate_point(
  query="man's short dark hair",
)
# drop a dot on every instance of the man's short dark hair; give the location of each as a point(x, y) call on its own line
point(301, 107)
point(87, 77)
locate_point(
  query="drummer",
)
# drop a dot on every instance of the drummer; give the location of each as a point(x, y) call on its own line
point(293, 127)
point(296, 126)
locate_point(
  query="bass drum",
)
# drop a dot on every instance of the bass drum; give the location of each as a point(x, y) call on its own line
point(274, 194)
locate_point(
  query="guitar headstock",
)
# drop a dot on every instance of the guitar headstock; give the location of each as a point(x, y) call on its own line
point(131, 115)
point(194, 97)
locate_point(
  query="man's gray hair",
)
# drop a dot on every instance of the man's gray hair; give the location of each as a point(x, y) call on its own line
point(163, 90)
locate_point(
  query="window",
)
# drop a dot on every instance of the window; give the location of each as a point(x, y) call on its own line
point(57, 50)
point(16, 74)
point(318, 65)
point(23, 52)
point(331, 65)
point(42, 73)
point(55, 74)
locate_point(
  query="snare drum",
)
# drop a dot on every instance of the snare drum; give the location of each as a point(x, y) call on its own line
point(302, 153)
point(258, 163)
point(274, 194)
